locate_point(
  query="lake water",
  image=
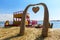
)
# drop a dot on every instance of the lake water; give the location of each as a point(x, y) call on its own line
point(56, 24)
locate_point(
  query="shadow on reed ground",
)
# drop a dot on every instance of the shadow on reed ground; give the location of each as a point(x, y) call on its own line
point(12, 37)
point(40, 38)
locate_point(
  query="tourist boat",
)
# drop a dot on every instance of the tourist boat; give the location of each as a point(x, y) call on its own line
point(17, 16)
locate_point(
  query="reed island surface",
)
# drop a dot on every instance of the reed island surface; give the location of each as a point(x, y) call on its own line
point(30, 34)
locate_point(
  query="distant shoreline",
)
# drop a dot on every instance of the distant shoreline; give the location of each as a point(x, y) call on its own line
point(36, 20)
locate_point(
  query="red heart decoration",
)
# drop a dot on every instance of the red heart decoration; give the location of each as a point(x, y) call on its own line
point(35, 9)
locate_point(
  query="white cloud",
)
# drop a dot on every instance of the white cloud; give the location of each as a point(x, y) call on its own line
point(4, 17)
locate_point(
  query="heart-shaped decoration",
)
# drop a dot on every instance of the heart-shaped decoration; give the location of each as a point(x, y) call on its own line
point(35, 9)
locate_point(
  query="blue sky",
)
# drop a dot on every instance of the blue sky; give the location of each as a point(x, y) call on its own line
point(7, 7)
